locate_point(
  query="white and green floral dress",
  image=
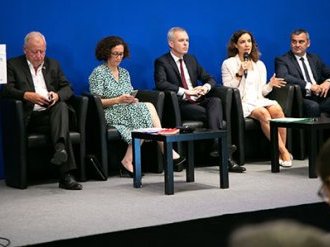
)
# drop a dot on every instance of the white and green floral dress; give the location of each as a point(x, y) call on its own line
point(124, 117)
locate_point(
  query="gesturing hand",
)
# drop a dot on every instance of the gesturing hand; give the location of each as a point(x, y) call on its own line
point(277, 82)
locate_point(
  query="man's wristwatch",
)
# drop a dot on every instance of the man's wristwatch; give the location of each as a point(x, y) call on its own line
point(238, 75)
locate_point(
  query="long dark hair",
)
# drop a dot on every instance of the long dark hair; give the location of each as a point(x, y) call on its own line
point(232, 50)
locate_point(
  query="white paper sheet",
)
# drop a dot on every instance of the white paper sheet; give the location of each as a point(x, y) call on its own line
point(3, 64)
point(289, 119)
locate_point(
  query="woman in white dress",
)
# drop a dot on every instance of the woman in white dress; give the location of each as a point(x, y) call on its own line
point(243, 70)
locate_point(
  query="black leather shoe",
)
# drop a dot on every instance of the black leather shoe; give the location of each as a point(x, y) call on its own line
point(60, 155)
point(233, 167)
point(178, 164)
point(123, 172)
point(68, 182)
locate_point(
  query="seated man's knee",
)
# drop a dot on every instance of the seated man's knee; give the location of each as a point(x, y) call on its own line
point(215, 100)
point(312, 109)
point(214, 104)
point(60, 106)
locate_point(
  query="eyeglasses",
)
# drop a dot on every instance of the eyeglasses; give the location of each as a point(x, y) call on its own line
point(324, 193)
point(117, 54)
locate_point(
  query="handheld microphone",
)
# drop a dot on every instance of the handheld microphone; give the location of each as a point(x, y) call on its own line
point(246, 58)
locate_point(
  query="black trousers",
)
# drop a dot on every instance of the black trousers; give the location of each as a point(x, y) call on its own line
point(55, 122)
point(314, 106)
point(208, 110)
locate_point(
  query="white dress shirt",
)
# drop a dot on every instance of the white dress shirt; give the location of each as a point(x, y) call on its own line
point(39, 84)
point(310, 73)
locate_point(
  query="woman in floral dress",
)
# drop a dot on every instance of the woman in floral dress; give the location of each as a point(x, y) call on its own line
point(122, 110)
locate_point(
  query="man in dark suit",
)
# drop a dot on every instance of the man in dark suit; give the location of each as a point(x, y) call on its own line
point(40, 83)
point(180, 72)
point(308, 71)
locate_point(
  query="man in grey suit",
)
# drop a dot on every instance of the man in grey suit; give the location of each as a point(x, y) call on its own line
point(308, 71)
point(41, 85)
point(181, 73)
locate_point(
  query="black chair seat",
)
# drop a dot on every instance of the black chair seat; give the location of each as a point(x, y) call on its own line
point(199, 124)
point(23, 151)
point(193, 124)
point(251, 124)
point(113, 134)
point(247, 134)
point(105, 143)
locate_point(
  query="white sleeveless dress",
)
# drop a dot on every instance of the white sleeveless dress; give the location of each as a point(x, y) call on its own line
point(252, 98)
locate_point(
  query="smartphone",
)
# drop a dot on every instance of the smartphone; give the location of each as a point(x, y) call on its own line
point(134, 93)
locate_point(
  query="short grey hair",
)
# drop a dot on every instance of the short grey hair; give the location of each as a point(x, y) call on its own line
point(300, 31)
point(170, 33)
point(31, 35)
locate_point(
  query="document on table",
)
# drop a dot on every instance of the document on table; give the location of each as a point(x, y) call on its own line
point(289, 119)
point(3, 64)
point(160, 131)
point(149, 130)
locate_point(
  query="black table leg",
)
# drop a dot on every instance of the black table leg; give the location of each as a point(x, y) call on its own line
point(312, 136)
point(137, 162)
point(190, 177)
point(223, 166)
point(168, 165)
point(274, 148)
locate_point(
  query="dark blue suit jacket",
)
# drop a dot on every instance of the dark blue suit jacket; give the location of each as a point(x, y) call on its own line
point(167, 76)
point(288, 68)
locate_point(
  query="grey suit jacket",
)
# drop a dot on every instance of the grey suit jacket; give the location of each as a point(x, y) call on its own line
point(167, 76)
point(19, 81)
point(288, 68)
